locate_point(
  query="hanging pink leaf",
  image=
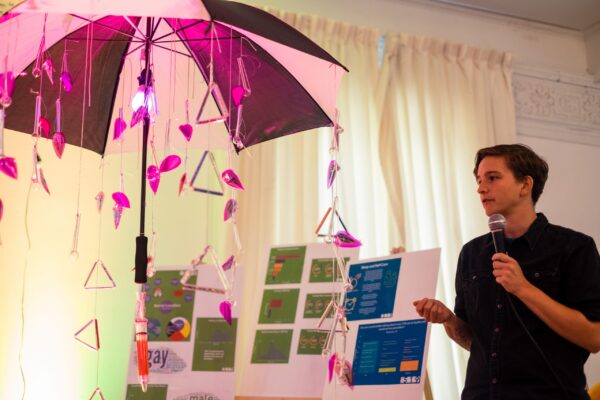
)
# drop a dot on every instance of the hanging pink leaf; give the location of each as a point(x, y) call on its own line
point(231, 178)
point(331, 363)
point(332, 172)
point(237, 94)
point(49, 68)
point(138, 116)
point(117, 213)
point(121, 199)
point(225, 309)
point(230, 209)
point(170, 163)
point(99, 200)
point(153, 176)
point(58, 142)
point(345, 239)
point(43, 181)
point(343, 369)
point(228, 264)
point(67, 81)
point(6, 96)
point(1, 209)
point(182, 183)
point(44, 125)
point(187, 131)
point(8, 165)
point(119, 127)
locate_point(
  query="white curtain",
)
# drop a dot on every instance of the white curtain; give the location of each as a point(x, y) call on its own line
point(286, 178)
point(440, 103)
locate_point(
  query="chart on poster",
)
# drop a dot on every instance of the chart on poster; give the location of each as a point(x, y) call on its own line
point(299, 283)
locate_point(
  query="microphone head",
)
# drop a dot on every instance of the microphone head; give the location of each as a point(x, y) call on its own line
point(496, 222)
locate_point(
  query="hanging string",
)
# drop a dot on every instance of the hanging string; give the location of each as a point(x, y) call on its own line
point(97, 269)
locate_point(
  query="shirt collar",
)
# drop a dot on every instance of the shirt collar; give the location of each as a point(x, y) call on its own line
point(535, 230)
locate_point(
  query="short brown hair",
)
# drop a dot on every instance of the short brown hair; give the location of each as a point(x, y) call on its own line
point(522, 161)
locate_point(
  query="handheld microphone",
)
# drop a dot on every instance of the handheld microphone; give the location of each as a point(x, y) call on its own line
point(496, 223)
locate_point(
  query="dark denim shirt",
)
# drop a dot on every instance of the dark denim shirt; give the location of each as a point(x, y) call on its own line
point(503, 362)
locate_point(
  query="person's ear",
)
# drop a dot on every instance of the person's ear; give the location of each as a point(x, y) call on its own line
point(526, 185)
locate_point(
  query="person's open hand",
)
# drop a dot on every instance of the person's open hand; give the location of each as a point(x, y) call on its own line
point(433, 310)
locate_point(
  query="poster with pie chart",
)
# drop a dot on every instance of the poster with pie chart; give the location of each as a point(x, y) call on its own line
point(169, 308)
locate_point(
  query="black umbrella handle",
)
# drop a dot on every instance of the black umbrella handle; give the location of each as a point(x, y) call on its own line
point(141, 259)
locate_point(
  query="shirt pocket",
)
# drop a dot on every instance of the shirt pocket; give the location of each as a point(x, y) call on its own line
point(546, 278)
point(478, 293)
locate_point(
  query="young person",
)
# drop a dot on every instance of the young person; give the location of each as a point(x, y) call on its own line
point(530, 317)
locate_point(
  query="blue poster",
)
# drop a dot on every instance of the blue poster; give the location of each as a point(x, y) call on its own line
point(373, 289)
point(389, 353)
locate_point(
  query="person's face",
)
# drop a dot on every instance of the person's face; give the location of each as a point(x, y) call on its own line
point(499, 191)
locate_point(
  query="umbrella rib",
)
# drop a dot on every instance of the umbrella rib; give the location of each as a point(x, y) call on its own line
point(199, 39)
point(175, 32)
point(156, 27)
point(173, 51)
point(136, 49)
point(107, 40)
point(134, 26)
point(106, 26)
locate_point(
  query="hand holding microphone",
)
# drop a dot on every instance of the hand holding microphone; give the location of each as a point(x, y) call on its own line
point(506, 270)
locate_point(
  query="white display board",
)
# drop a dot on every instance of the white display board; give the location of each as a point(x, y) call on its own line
point(296, 284)
point(191, 348)
point(387, 349)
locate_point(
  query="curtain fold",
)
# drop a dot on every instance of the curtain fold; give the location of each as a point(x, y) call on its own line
point(286, 179)
point(440, 102)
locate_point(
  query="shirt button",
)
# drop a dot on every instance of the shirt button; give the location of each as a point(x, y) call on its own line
point(499, 306)
point(537, 274)
point(474, 277)
point(496, 330)
point(494, 381)
point(494, 355)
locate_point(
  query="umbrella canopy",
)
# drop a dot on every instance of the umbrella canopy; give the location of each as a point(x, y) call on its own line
point(293, 80)
point(252, 62)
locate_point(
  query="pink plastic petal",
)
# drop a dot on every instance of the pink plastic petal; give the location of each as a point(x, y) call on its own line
point(331, 363)
point(230, 209)
point(119, 127)
point(182, 183)
point(225, 309)
point(67, 81)
point(345, 375)
point(43, 181)
point(332, 172)
point(58, 142)
point(8, 165)
point(44, 125)
point(237, 94)
point(231, 178)
point(99, 200)
point(187, 131)
point(1, 209)
point(117, 213)
point(138, 116)
point(49, 68)
point(228, 264)
point(170, 163)
point(153, 176)
point(345, 239)
point(121, 199)
point(6, 97)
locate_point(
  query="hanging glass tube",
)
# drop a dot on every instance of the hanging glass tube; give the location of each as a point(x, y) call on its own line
point(74, 252)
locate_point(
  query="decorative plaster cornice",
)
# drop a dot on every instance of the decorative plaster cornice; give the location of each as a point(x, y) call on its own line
point(555, 109)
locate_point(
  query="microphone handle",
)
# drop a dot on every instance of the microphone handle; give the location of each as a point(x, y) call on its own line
point(498, 238)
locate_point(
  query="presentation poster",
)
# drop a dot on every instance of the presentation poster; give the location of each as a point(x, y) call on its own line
point(191, 348)
point(285, 357)
point(387, 340)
